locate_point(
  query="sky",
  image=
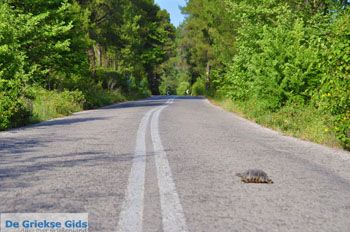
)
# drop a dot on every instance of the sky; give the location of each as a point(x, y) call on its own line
point(172, 6)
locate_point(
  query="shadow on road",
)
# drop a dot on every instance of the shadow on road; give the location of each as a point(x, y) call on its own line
point(190, 97)
point(22, 156)
point(149, 102)
point(152, 101)
point(32, 173)
point(69, 121)
point(26, 176)
point(144, 103)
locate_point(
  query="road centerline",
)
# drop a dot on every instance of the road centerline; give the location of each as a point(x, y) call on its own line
point(172, 212)
point(131, 215)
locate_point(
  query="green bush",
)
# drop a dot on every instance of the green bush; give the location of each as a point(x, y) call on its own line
point(285, 61)
point(303, 121)
point(14, 112)
point(168, 85)
point(52, 44)
point(111, 79)
point(14, 108)
point(181, 89)
point(198, 88)
point(334, 94)
point(99, 97)
point(51, 104)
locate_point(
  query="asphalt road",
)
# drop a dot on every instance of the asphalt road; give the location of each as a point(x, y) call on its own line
point(166, 164)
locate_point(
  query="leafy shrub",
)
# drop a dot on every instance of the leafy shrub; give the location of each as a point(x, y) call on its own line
point(334, 94)
point(98, 97)
point(198, 88)
point(285, 60)
point(112, 79)
point(33, 47)
point(51, 104)
point(14, 110)
point(183, 86)
point(168, 85)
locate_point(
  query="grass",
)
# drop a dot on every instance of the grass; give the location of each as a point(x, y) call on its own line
point(53, 104)
point(99, 97)
point(304, 122)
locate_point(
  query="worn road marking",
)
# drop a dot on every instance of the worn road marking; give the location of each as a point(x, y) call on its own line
point(172, 212)
point(131, 215)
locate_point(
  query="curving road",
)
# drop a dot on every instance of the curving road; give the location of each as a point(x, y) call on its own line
point(168, 164)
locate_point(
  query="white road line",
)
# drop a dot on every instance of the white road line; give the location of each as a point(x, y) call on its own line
point(172, 212)
point(131, 216)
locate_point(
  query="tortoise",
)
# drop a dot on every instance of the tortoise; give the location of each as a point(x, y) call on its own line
point(254, 176)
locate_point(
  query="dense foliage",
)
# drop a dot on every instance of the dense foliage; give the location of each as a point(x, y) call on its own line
point(98, 50)
point(286, 62)
point(277, 56)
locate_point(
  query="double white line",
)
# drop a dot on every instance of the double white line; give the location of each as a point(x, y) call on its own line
point(131, 216)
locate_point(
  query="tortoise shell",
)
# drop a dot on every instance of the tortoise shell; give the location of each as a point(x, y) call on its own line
point(254, 176)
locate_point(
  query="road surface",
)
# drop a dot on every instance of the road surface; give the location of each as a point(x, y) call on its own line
point(169, 164)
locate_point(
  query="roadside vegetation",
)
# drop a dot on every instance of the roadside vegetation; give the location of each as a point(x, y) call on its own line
point(284, 64)
point(62, 56)
point(303, 122)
